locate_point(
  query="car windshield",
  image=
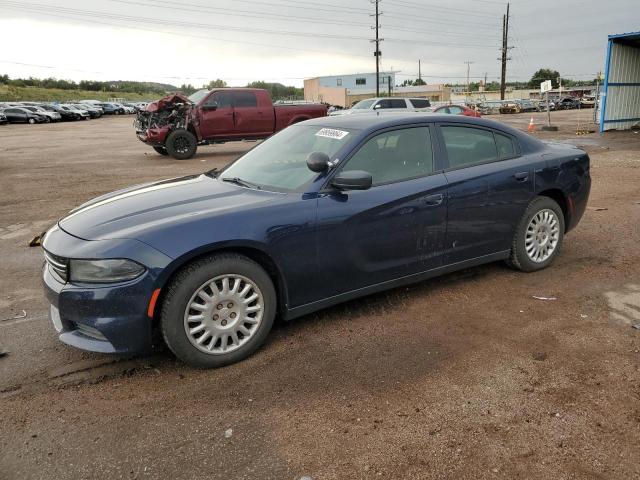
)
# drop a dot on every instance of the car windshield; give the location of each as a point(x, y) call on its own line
point(280, 163)
point(198, 96)
point(363, 104)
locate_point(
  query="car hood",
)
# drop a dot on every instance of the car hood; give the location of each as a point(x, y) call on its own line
point(167, 102)
point(136, 211)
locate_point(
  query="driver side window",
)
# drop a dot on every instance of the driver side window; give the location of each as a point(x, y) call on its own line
point(395, 156)
point(223, 99)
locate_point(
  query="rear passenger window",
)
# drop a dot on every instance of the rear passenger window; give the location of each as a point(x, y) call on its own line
point(505, 146)
point(245, 99)
point(467, 146)
point(419, 103)
point(398, 103)
point(395, 156)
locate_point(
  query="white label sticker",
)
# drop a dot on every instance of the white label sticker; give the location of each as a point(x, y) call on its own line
point(331, 133)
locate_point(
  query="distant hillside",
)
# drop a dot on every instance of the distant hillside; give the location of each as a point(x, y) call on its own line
point(149, 86)
point(36, 94)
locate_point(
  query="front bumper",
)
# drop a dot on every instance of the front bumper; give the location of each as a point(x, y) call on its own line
point(105, 319)
point(109, 318)
point(153, 136)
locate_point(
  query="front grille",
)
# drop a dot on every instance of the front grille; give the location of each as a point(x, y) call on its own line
point(58, 265)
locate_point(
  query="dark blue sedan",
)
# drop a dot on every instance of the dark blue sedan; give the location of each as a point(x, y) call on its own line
point(325, 211)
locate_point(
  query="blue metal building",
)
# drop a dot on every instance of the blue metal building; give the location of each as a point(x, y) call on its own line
point(620, 101)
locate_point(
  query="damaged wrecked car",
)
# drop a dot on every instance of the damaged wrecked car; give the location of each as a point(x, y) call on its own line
point(176, 125)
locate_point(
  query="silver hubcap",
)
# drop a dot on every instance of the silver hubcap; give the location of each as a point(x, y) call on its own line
point(223, 314)
point(542, 235)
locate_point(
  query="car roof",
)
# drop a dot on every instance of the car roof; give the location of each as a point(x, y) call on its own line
point(370, 122)
point(380, 120)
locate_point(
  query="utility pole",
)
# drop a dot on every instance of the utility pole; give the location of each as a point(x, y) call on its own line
point(377, 41)
point(468, 69)
point(389, 84)
point(505, 50)
point(419, 71)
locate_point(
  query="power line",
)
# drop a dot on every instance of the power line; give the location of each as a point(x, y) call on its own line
point(296, 4)
point(472, 13)
point(242, 13)
point(40, 8)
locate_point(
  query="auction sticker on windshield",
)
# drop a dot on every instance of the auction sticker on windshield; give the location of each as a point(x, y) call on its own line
point(331, 133)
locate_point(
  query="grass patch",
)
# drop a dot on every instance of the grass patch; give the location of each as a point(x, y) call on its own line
point(36, 94)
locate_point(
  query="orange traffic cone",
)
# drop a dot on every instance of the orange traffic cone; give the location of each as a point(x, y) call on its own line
point(532, 126)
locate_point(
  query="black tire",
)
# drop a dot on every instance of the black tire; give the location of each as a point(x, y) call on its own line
point(187, 282)
point(181, 144)
point(519, 258)
point(161, 150)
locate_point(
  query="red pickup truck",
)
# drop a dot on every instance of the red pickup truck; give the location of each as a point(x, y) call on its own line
point(176, 125)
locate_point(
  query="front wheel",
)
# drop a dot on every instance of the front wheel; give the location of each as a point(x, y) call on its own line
point(539, 236)
point(218, 310)
point(181, 144)
point(32, 121)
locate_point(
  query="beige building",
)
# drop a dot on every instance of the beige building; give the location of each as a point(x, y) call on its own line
point(314, 91)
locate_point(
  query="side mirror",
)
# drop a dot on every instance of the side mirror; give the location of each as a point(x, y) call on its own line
point(318, 162)
point(352, 180)
point(210, 106)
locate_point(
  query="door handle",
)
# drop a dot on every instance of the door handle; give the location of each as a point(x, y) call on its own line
point(521, 176)
point(434, 200)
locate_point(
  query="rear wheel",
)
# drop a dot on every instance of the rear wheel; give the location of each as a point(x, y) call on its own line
point(218, 310)
point(161, 150)
point(539, 236)
point(181, 144)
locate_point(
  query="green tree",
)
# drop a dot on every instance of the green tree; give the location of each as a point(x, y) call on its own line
point(542, 75)
point(216, 84)
point(4, 79)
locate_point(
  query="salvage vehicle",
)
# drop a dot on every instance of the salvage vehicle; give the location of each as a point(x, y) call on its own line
point(542, 105)
point(22, 115)
point(176, 125)
point(50, 116)
point(84, 114)
point(568, 103)
point(92, 110)
point(66, 114)
point(490, 107)
point(526, 106)
point(322, 212)
point(508, 107)
point(588, 101)
point(111, 109)
point(387, 104)
point(458, 110)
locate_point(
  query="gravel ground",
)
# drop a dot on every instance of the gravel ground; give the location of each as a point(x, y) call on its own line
point(464, 376)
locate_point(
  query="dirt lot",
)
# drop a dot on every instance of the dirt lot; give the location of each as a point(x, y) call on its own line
point(465, 376)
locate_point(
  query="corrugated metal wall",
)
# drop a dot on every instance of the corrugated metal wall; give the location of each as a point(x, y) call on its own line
point(623, 97)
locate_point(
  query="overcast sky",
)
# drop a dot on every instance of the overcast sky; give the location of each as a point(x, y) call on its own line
point(192, 41)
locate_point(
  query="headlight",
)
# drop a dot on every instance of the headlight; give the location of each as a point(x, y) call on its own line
point(104, 271)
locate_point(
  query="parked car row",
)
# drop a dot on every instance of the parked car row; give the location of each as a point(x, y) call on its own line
point(522, 106)
point(46, 112)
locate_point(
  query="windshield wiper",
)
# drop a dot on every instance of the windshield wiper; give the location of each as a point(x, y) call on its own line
point(242, 183)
